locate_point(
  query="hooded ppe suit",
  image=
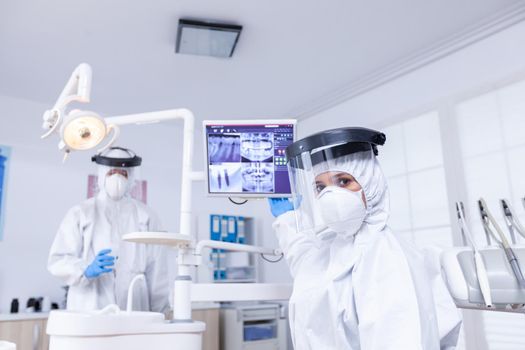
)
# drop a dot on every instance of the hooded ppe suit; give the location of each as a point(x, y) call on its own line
point(366, 289)
point(98, 224)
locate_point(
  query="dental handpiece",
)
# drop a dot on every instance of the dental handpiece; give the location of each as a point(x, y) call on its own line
point(481, 270)
point(509, 220)
point(512, 222)
point(487, 219)
point(513, 261)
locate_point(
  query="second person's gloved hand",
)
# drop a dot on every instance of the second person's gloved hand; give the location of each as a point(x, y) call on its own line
point(100, 264)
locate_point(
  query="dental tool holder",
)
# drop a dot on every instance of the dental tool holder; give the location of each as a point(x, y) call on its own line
point(460, 274)
point(502, 265)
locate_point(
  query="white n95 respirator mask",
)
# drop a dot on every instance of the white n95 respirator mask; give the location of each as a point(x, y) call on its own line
point(116, 186)
point(342, 210)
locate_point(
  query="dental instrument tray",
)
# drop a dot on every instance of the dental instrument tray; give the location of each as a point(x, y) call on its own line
point(460, 273)
point(246, 158)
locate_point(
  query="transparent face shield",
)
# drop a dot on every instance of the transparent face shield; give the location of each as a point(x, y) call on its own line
point(119, 182)
point(325, 187)
point(122, 182)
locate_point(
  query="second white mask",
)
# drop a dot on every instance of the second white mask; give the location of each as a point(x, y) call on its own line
point(116, 186)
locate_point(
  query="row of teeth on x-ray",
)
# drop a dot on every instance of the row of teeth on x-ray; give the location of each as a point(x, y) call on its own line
point(248, 177)
point(255, 147)
point(224, 149)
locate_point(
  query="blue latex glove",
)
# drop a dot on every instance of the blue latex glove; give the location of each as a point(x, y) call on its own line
point(279, 206)
point(100, 264)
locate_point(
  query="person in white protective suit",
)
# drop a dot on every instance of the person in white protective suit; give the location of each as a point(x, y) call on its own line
point(356, 285)
point(89, 255)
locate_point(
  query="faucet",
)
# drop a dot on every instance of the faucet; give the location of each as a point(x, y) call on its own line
point(129, 304)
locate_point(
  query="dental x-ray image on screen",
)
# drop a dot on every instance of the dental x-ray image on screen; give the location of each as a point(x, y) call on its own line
point(257, 177)
point(247, 158)
point(225, 177)
point(224, 148)
point(257, 147)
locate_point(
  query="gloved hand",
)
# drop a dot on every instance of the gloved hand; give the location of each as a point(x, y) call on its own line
point(100, 264)
point(279, 206)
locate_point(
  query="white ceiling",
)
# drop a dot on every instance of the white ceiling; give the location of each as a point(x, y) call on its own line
point(290, 52)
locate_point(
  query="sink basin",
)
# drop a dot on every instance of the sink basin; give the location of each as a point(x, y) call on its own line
point(121, 330)
point(4, 345)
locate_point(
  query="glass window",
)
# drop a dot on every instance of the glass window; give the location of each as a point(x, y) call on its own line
point(423, 142)
point(428, 197)
point(412, 159)
point(479, 132)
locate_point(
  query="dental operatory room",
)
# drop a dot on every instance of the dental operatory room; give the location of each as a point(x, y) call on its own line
point(262, 175)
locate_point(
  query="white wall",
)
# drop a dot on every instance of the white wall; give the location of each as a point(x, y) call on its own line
point(497, 57)
point(41, 189)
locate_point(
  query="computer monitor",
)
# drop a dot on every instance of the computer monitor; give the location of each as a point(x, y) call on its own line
point(246, 158)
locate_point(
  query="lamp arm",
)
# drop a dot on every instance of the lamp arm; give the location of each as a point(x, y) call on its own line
point(150, 117)
point(78, 87)
point(188, 176)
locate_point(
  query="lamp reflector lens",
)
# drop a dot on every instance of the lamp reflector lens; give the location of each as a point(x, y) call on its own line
point(84, 132)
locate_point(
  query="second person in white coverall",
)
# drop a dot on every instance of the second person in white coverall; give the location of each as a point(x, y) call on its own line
point(356, 285)
point(88, 253)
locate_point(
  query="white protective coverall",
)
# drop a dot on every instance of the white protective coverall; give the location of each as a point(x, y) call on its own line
point(366, 291)
point(99, 223)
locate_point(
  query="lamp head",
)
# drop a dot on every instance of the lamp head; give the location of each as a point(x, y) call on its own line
point(82, 130)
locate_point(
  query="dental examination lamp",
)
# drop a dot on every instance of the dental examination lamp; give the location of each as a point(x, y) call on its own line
point(81, 130)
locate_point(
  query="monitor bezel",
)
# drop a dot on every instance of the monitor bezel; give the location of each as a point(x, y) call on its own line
point(243, 122)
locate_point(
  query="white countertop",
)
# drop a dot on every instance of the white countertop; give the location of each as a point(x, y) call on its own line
point(24, 316)
point(205, 305)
